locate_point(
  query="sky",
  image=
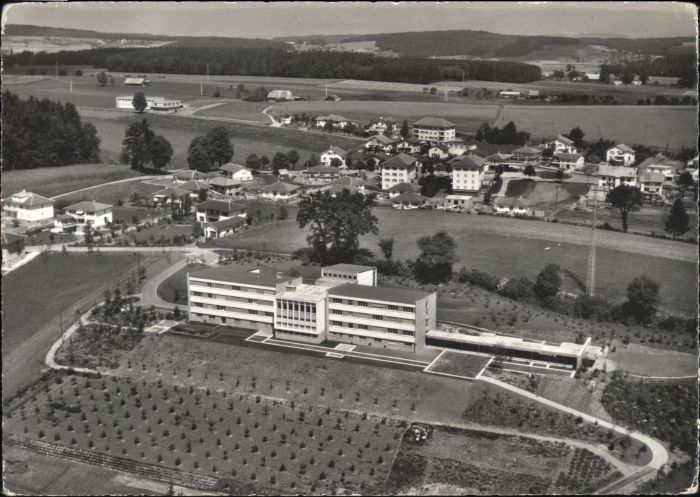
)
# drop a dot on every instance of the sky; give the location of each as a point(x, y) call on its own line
point(268, 20)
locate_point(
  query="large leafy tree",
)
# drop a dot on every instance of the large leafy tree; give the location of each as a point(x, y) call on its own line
point(136, 144)
point(678, 222)
point(642, 298)
point(438, 254)
point(404, 129)
point(280, 161)
point(102, 78)
point(252, 162)
point(548, 282)
point(219, 146)
point(626, 199)
point(160, 152)
point(293, 158)
point(336, 223)
point(197, 156)
point(139, 101)
point(577, 135)
point(386, 245)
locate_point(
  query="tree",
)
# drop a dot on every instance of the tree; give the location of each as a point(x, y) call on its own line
point(627, 78)
point(559, 175)
point(336, 223)
point(218, 145)
point(404, 129)
point(137, 139)
point(577, 135)
point(102, 78)
point(280, 161)
point(293, 158)
point(434, 264)
point(111, 80)
point(529, 171)
point(198, 159)
point(78, 72)
point(642, 298)
point(685, 180)
point(335, 162)
point(370, 164)
point(252, 162)
point(160, 152)
point(263, 162)
point(386, 245)
point(627, 199)
point(139, 102)
point(548, 282)
point(678, 220)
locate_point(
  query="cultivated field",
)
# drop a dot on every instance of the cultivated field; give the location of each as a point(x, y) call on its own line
point(50, 181)
point(111, 194)
point(511, 247)
point(648, 125)
point(247, 111)
point(466, 117)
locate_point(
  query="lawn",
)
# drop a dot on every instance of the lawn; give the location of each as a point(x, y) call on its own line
point(520, 188)
point(50, 181)
point(247, 111)
point(514, 248)
point(36, 293)
point(160, 234)
point(112, 194)
point(174, 289)
point(467, 117)
point(455, 363)
point(655, 126)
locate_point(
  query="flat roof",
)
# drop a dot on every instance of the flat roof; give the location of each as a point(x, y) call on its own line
point(349, 268)
point(304, 292)
point(494, 340)
point(233, 274)
point(383, 294)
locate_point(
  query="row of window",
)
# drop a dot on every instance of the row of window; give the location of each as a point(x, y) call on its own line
point(197, 305)
point(235, 287)
point(295, 333)
point(376, 317)
point(290, 305)
point(231, 299)
point(339, 275)
point(296, 326)
point(376, 329)
point(343, 336)
point(361, 303)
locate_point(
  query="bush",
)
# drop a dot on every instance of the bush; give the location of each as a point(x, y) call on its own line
point(478, 278)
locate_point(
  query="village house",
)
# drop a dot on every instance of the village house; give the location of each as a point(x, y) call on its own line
point(568, 162)
point(610, 177)
point(401, 168)
point(459, 147)
point(322, 174)
point(336, 121)
point(408, 145)
point(236, 172)
point(27, 207)
point(497, 159)
point(63, 223)
point(620, 155)
point(455, 201)
point(384, 126)
point(468, 173)
point(223, 228)
point(434, 129)
point(526, 154)
point(402, 188)
point(199, 190)
point(224, 186)
point(168, 196)
point(12, 249)
point(660, 164)
point(651, 184)
point(408, 200)
point(348, 183)
point(381, 142)
point(96, 214)
point(280, 191)
point(211, 211)
point(511, 207)
point(562, 145)
point(333, 153)
point(439, 152)
point(280, 96)
point(510, 94)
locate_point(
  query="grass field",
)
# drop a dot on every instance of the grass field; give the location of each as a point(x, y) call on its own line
point(248, 111)
point(656, 126)
point(111, 194)
point(466, 117)
point(246, 139)
point(50, 181)
point(511, 247)
point(37, 292)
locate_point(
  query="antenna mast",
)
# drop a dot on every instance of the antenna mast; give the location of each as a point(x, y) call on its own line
point(590, 276)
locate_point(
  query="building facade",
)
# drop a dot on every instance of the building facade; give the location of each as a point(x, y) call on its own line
point(468, 173)
point(27, 206)
point(620, 155)
point(398, 169)
point(434, 129)
point(93, 213)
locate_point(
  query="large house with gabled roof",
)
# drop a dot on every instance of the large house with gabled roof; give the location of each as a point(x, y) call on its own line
point(333, 152)
point(468, 173)
point(236, 172)
point(90, 212)
point(401, 168)
point(620, 155)
point(27, 206)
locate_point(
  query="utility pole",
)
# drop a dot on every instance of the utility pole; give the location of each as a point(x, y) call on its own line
point(590, 277)
point(201, 88)
point(56, 71)
point(444, 89)
point(70, 81)
point(326, 90)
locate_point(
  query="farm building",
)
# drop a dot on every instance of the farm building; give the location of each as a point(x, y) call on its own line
point(526, 154)
point(322, 174)
point(457, 201)
point(280, 95)
point(189, 174)
point(334, 120)
point(468, 173)
point(136, 82)
point(226, 227)
point(610, 177)
point(280, 191)
point(169, 196)
point(381, 142)
point(90, 212)
point(434, 129)
point(198, 189)
point(27, 206)
point(568, 162)
point(402, 188)
point(333, 98)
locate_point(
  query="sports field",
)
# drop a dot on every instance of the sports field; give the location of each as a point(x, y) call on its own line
point(675, 126)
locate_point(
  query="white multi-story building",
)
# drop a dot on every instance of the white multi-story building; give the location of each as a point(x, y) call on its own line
point(300, 313)
point(620, 155)
point(380, 317)
point(231, 296)
point(236, 172)
point(333, 153)
point(27, 206)
point(434, 129)
point(468, 173)
point(568, 162)
point(398, 169)
point(94, 213)
point(610, 177)
point(562, 145)
point(211, 211)
point(351, 273)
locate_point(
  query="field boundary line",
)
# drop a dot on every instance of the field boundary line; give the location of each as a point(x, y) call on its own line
point(427, 368)
point(486, 366)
